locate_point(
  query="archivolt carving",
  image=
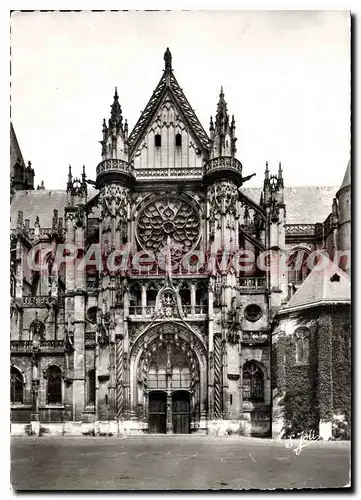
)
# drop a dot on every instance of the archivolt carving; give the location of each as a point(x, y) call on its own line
point(168, 217)
point(175, 329)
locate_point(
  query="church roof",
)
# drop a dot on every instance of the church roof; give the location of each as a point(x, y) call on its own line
point(304, 205)
point(331, 285)
point(167, 83)
point(15, 151)
point(40, 202)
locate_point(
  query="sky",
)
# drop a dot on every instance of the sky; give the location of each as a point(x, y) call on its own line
point(285, 75)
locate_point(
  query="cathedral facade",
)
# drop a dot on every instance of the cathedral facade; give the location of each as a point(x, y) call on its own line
point(167, 297)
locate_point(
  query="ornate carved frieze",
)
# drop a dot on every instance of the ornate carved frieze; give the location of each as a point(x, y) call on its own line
point(254, 337)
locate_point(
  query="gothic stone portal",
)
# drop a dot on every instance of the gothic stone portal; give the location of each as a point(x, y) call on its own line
point(169, 382)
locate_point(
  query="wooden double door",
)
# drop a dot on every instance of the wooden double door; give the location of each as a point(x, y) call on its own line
point(158, 412)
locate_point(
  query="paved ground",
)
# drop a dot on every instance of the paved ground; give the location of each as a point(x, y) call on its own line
point(190, 462)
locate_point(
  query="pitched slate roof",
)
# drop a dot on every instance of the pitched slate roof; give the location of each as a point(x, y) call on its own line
point(167, 84)
point(331, 285)
point(304, 204)
point(40, 202)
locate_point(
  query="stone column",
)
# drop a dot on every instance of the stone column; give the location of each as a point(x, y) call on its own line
point(169, 414)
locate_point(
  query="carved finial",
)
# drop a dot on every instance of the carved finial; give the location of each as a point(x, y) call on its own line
point(168, 60)
point(211, 125)
point(266, 172)
point(20, 219)
point(83, 179)
point(280, 175)
point(70, 179)
point(37, 221)
point(29, 165)
point(55, 220)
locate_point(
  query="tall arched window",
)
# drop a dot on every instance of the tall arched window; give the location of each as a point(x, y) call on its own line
point(202, 297)
point(178, 140)
point(185, 294)
point(91, 387)
point(157, 140)
point(54, 377)
point(302, 338)
point(253, 382)
point(16, 386)
point(152, 293)
point(135, 299)
point(297, 266)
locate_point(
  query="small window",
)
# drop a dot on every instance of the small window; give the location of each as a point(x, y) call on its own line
point(152, 293)
point(185, 294)
point(91, 387)
point(302, 345)
point(158, 141)
point(53, 374)
point(178, 140)
point(17, 386)
point(92, 314)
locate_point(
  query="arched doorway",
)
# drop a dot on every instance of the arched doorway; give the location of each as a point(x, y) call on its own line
point(157, 412)
point(169, 358)
point(181, 402)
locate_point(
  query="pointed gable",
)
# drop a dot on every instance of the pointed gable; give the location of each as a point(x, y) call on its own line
point(168, 90)
point(15, 152)
point(331, 285)
point(347, 177)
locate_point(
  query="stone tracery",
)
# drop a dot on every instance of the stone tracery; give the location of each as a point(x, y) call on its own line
point(172, 218)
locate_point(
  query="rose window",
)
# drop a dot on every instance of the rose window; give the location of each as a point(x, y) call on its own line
point(171, 218)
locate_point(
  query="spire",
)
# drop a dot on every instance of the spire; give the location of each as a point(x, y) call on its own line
point(83, 179)
point(222, 117)
point(70, 179)
point(167, 60)
point(116, 111)
point(266, 172)
point(104, 128)
point(280, 176)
